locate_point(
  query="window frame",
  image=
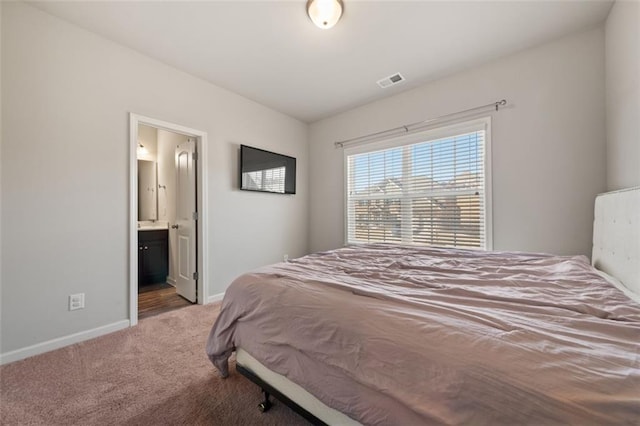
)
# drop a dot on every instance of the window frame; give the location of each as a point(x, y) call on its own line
point(430, 134)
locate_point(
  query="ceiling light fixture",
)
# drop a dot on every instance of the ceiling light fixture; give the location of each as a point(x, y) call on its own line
point(324, 13)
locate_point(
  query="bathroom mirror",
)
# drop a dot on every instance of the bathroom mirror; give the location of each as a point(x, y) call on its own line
point(147, 190)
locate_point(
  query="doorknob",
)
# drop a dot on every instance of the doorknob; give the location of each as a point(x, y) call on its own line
point(174, 226)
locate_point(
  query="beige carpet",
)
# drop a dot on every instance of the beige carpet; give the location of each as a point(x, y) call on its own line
point(154, 373)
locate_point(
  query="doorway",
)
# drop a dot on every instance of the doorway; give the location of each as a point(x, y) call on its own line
point(167, 220)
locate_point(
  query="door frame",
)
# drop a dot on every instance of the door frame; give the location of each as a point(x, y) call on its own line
point(201, 195)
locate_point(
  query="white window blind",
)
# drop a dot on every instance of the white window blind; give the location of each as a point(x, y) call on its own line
point(431, 192)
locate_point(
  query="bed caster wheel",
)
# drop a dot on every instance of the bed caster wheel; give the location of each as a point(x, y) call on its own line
point(265, 406)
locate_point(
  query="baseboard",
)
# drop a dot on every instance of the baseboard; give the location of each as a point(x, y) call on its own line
point(215, 298)
point(61, 342)
point(171, 281)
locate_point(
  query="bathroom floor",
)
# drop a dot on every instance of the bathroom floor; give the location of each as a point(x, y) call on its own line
point(158, 298)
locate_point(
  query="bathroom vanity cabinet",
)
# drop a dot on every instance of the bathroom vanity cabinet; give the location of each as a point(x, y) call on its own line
point(153, 256)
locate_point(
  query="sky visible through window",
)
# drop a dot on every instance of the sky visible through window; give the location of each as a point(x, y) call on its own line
point(460, 152)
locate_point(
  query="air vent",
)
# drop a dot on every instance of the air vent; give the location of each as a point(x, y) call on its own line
point(391, 80)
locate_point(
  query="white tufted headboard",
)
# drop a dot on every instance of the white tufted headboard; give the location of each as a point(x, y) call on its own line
point(616, 236)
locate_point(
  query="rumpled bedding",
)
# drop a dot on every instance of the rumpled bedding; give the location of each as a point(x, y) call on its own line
point(396, 335)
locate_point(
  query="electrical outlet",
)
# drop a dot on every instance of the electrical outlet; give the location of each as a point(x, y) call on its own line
point(285, 257)
point(76, 301)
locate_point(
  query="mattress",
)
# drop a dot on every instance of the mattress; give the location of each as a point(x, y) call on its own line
point(408, 335)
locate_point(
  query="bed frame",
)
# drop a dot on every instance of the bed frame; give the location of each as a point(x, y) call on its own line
point(269, 390)
point(616, 251)
point(287, 392)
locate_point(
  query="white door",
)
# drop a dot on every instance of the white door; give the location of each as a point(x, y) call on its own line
point(186, 215)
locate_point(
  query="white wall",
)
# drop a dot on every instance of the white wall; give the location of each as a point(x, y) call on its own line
point(623, 95)
point(167, 143)
point(65, 196)
point(548, 145)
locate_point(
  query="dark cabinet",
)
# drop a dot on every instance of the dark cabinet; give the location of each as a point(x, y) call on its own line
point(153, 256)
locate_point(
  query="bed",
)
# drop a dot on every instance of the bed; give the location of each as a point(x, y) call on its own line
point(383, 334)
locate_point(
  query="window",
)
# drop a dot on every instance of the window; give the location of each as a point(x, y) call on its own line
point(430, 188)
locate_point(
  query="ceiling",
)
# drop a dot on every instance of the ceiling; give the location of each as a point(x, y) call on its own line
point(270, 52)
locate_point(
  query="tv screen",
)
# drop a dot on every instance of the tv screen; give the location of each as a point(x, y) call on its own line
point(266, 171)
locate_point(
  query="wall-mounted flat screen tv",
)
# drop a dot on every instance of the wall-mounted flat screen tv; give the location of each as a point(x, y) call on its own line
point(266, 171)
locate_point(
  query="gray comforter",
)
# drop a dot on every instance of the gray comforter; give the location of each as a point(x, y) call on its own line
point(405, 335)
